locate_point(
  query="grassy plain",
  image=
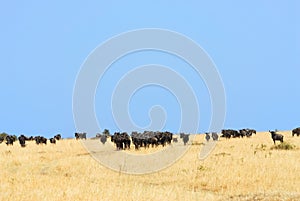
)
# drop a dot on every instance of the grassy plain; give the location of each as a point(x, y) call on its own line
point(237, 169)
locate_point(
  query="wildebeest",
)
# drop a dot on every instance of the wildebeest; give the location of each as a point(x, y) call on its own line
point(276, 136)
point(141, 139)
point(185, 138)
point(244, 132)
point(122, 140)
point(40, 140)
point(175, 140)
point(52, 140)
point(247, 132)
point(22, 140)
point(154, 141)
point(148, 138)
point(226, 133)
point(296, 131)
point(252, 131)
point(80, 136)
point(103, 138)
point(1, 139)
point(10, 140)
point(158, 138)
point(207, 137)
point(214, 136)
point(136, 139)
point(57, 137)
point(31, 138)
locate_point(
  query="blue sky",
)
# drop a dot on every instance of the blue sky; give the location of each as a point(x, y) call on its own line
point(255, 46)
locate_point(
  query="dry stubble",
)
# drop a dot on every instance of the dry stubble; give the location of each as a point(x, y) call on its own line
point(237, 169)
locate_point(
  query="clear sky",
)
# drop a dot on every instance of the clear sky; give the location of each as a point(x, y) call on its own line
point(254, 45)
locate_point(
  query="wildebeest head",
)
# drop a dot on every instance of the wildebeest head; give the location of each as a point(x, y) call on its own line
point(272, 132)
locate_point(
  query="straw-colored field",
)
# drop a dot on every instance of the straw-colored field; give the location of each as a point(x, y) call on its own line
point(237, 169)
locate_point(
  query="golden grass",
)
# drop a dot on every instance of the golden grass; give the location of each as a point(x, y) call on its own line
point(237, 169)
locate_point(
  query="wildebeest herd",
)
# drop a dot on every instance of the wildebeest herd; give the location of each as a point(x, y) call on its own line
point(10, 139)
point(123, 140)
point(229, 133)
point(249, 132)
point(80, 136)
point(214, 136)
point(148, 138)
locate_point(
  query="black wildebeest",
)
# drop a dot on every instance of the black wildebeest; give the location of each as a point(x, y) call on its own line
point(57, 137)
point(252, 131)
point(122, 140)
point(154, 141)
point(136, 139)
point(296, 131)
point(185, 138)
point(80, 136)
point(1, 139)
point(146, 139)
point(40, 140)
point(22, 140)
point(214, 136)
point(247, 132)
point(52, 140)
point(139, 139)
point(103, 138)
point(152, 138)
point(226, 133)
point(10, 140)
point(276, 136)
point(168, 136)
point(125, 139)
point(207, 137)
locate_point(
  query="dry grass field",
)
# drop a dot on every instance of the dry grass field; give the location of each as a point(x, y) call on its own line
point(237, 169)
